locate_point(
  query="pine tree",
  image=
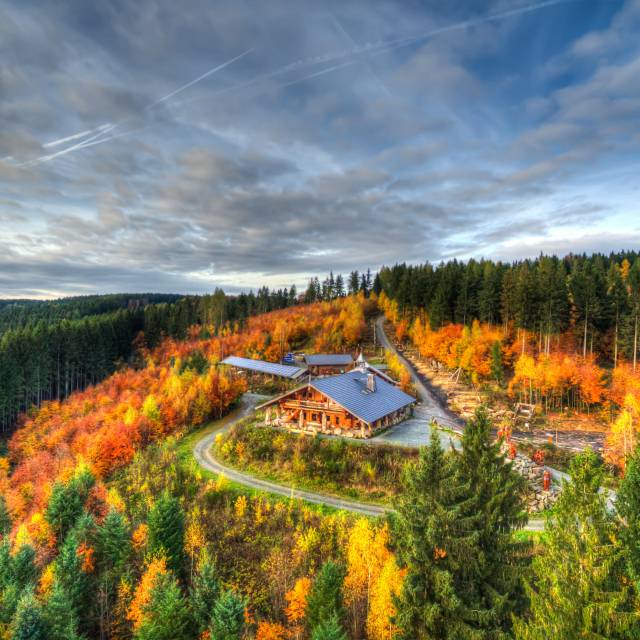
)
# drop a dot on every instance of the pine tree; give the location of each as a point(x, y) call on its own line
point(339, 286)
point(6, 564)
point(628, 506)
point(354, 282)
point(71, 577)
point(64, 508)
point(166, 615)
point(329, 630)
point(24, 570)
point(60, 616)
point(325, 597)
point(166, 532)
point(5, 517)
point(577, 587)
point(113, 542)
point(377, 284)
point(28, 622)
point(497, 369)
point(204, 592)
point(454, 530)
point(227, 620)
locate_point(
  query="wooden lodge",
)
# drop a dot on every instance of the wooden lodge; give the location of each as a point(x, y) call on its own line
point(355, 404)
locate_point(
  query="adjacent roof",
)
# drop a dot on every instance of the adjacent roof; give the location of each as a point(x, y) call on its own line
point(271, 368)
point(328, 359)
point(349, 390)
point(380, 373)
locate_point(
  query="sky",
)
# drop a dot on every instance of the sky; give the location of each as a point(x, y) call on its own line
point(179, 146)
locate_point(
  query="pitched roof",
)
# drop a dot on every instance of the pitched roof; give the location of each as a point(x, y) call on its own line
point(271, 368)
point(328, 359)
point(350, 391)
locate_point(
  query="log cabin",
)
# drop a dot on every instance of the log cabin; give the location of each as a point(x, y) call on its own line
point(355, 404)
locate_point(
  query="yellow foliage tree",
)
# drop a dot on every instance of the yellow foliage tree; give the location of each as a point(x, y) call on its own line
point(382, 608)
point(622, 437)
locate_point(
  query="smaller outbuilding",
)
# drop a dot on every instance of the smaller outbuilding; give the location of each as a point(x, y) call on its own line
point(323, 364)
point(264, 367)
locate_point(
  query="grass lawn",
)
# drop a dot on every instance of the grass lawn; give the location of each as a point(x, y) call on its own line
point(184, 450)
point(333, 466)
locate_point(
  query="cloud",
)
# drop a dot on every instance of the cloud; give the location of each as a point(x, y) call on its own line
point(488, 129)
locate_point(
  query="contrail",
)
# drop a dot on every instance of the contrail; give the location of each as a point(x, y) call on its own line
point(198, 79)
point(348, 63)
point(75, 136)
point(63, 152)
point(375, 48)
point(365, 62)
point(402, 42)
point(104, 129)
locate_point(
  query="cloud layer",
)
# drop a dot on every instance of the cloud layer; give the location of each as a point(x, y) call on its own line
point(178, 147)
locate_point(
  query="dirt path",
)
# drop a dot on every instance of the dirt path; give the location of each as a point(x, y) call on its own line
point(202, 452)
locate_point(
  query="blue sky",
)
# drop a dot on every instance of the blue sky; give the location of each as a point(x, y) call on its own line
point(168, 146)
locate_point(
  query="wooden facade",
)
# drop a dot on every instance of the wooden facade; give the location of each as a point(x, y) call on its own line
point(307, 409)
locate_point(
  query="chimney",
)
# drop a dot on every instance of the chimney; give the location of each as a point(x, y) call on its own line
point(371, 382)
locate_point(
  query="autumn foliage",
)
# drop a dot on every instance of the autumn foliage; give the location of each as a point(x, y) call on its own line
point(554, 374)
point(178, 386)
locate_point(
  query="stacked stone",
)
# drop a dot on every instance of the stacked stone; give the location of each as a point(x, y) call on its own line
point(538, 498)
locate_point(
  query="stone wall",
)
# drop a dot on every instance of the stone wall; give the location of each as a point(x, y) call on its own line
point(538, 499)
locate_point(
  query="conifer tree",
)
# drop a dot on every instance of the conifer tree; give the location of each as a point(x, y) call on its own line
point(454, 530)
point(497, 370)
point(5, 517)
point(628, 506)
point(64, 508)
point(577, 587)
point(204, 592)
point(166, 532)
point(166, 615)
point(329, 630)
point(24, 570)
point(60, 616)
point(71, 577)
point(325, 597)
point(227, 619)
point(6, 568)
point(113, 542)
point(28, 622)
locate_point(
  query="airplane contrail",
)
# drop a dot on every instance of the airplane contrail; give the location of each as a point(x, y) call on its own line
point(104, 129)
point(365, 62)
point(375, 48)
point(198, 79)
point(75, 136)
point(348, 63)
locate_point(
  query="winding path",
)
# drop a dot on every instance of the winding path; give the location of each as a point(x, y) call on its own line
point(202, 452)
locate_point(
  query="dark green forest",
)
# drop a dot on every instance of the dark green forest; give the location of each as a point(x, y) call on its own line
point(597, 296)
point(50, 349)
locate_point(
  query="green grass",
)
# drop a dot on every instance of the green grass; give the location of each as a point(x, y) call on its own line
point(184, 453)
point(341, 468)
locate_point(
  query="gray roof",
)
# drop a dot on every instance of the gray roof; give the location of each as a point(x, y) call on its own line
point(350, 391)
point(271, 368)
point(328, 359)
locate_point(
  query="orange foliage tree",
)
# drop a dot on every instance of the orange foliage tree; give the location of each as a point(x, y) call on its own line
point(180, 385)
